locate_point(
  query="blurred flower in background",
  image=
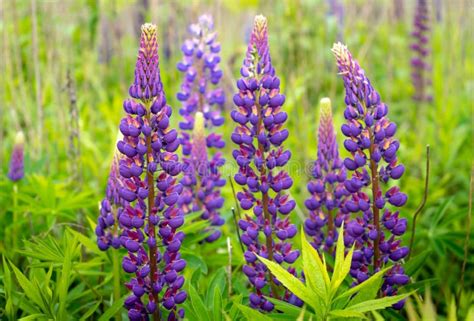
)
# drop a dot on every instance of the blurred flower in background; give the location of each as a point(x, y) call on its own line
point(17, 167)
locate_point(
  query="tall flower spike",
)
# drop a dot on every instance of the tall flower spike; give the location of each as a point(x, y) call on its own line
point(17, 170)
point(150, 218)
point(326, 203)
point(373, 162)
point(202, 101)
point(202, 181)
point(259, 135)
point(107, 230)
point(200, 89)
point(420, 47)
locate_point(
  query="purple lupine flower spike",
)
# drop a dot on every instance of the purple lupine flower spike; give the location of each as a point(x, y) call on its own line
point(17, 167)
point(202, 181)
point(202, 100)
point(260, 155)
point(326, 203)
point(420, 47)
point(200, 89)
point(108, 227)
point(373, 162)
point(150, 219)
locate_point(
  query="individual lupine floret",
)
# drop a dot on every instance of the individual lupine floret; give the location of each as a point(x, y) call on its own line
point(108, 229)
point(326, 203)
point(260, 156)
point(151, 218)
point(420, 47)
point(17, 167)
point(200, 89)
point(202, 181)
point(372, 164)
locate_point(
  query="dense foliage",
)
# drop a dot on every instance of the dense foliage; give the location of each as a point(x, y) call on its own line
point(250, 198)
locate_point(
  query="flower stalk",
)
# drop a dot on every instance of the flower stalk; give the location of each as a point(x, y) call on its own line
point(327, 192)
point(370, 139)
point(150, 217)
point(202, 100)
point(420, 48)
point(259, 136)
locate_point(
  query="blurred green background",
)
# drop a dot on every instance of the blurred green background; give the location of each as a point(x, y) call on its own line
point(66, 67)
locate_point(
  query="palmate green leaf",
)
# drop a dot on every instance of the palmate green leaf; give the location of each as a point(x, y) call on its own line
point(88, 244)
point(114, 308)
point(291, 282)
point(63, 284)
point(377, 304)
point(45, 250)
point(341, 265)
point(252, 314)
point(31, 291)
point(343, 270)
point(314, 268)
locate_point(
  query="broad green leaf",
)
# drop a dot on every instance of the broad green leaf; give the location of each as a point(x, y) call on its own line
point(339, 260)
point(343, 270)
point(113, 310)
point(218, 281)
point(197, 303)
point(347, 314)
point(314, 257)
point(291, 282)
point(217, 305)
point(313, 269)
point(377, 304)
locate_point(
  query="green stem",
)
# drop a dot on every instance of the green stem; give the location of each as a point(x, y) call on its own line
point(117, 283)
point(15, 218)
